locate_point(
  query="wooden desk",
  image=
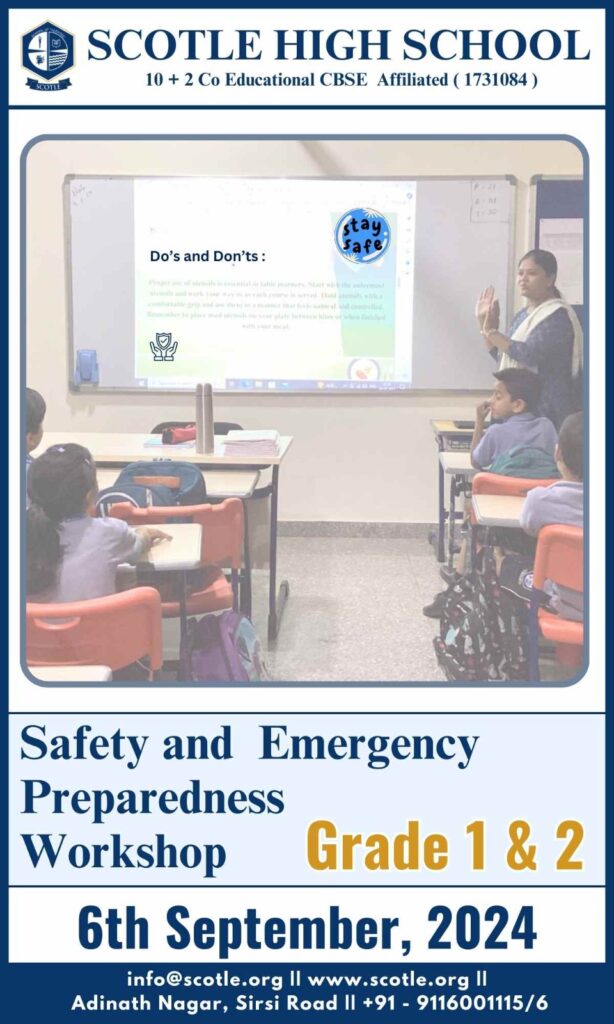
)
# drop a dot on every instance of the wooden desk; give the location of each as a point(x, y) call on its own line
point(445, 434)
point(116, 449)
point(120, 449)
point(180, 554)
point(456, 465)
point(448, 427)
point(497, 509)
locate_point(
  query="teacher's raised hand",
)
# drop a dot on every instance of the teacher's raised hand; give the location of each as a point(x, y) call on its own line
point(491, 320)
point(484, 306)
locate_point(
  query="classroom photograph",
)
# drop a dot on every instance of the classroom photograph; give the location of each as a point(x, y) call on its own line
point(304, 411)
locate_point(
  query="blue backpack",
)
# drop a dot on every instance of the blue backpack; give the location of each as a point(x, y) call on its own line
point(161, 483)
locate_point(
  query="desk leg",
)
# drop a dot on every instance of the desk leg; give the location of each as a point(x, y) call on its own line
point(533, 646)
point(442, 509)
point(451, 522)
point(183, 621)
point(276, 602)
point(245, 605)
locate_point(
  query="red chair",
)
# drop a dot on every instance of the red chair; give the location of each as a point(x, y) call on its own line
point(494, 483)
point(223, 529)
point(560, 558)
point(114, 631)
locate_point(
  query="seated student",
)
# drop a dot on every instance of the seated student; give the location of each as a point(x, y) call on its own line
point(517, 436)
point(562, 503)
point(512, 406)
point(70, 555)
point(35, 414)
point(502, 593)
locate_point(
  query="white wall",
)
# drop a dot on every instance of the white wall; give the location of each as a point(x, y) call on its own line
point(354, 458)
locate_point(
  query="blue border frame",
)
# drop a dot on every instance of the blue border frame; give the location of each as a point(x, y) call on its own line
point(582, 990)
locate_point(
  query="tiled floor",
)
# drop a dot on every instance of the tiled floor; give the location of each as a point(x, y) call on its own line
point(354, 612)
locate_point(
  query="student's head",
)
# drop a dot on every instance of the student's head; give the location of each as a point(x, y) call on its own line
point(517, 390)
point(570, 449)
point(537, 272)
point(61, 484)
point(35, 414)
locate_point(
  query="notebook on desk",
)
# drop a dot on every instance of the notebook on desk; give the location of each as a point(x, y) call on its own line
point(251, 442)
point(464, 424)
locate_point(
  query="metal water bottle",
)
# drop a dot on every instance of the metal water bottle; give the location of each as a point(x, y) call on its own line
point(209, 429)
point(200, 419)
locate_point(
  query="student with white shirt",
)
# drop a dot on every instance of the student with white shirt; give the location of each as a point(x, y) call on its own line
point(561, 503)
point(516, 425)
point(72, 556)
point(516, 435)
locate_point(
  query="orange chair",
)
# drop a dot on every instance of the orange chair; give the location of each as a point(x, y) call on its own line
point(113, 631)
point(494, 483)
point(223, 529)
point(560, 558)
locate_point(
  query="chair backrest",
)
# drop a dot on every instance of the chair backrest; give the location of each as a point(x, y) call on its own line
point(222, 427)
point(515, 486)
point(560, 557)
point(113, 631)
point(223, 526)
point(219, 427)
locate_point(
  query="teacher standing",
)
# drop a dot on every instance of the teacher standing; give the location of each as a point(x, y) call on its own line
point(545, 336)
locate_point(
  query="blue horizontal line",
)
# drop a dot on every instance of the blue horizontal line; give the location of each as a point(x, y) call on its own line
point(247, 106)
point(213, 888)
point(300, 714)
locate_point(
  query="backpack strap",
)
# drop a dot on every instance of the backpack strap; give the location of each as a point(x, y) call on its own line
point(110, 497)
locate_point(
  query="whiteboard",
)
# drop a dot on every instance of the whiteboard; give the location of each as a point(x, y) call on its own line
point(464, 230)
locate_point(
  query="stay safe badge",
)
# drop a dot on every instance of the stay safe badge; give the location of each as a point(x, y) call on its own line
point(362, 235)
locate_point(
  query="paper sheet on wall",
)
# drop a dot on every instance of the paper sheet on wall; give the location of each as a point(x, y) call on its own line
point(490, 202)
point(564, 236)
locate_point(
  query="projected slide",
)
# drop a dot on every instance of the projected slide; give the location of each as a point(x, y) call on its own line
point(281, 284)
point(278, 284)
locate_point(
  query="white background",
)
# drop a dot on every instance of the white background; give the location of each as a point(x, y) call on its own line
point(570, 923)
point(543, 770)
point(116, 81)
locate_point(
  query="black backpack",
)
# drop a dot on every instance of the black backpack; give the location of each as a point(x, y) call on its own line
point(483, 630)
point(162, 482)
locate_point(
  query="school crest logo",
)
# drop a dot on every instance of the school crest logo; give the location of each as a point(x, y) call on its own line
point(47, 52)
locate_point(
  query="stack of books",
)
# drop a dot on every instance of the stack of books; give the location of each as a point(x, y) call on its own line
point(252, 442)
